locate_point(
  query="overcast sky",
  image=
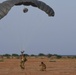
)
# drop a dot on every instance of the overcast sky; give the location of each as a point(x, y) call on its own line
point(35, 32)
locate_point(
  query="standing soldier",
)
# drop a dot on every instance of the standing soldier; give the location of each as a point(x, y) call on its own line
point(23, 60)
point(43, 66)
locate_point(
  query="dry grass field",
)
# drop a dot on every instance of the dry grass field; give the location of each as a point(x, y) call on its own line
point(56, 67)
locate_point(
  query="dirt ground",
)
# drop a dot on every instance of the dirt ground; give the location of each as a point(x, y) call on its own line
point(54, 67)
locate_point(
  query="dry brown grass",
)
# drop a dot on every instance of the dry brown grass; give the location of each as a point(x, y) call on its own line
point(59, 67)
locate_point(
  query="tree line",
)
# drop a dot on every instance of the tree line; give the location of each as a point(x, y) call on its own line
point(38, 55)
point(32, 55)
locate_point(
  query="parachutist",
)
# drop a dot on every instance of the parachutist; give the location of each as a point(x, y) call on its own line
point(25, 10)
point(23, 60)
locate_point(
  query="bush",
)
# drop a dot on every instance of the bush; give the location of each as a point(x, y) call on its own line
point(49, 55)
point(41, 54)
point(58, 56)
point(7, 55)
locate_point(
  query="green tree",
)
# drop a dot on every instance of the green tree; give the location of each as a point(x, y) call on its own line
point(49, 55)
point(15, 55)
point(41, 54)
point(7, 55)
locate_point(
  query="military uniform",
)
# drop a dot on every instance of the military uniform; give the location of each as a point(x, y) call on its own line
point(43, 66)
point(23, 60)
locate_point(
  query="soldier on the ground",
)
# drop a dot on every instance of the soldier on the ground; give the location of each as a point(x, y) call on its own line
point(23, 60)
point(43, 66)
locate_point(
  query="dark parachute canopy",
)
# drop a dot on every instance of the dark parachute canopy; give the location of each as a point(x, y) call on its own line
point(8, 4)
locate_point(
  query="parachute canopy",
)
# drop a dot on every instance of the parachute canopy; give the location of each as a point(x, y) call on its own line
point(8, 4)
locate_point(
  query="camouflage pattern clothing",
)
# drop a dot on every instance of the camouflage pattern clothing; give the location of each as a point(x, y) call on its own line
point(43, 66)
point(22, 62)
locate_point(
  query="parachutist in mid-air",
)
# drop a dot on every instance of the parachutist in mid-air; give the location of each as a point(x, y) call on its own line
point(8, 4)
point(25, 10)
